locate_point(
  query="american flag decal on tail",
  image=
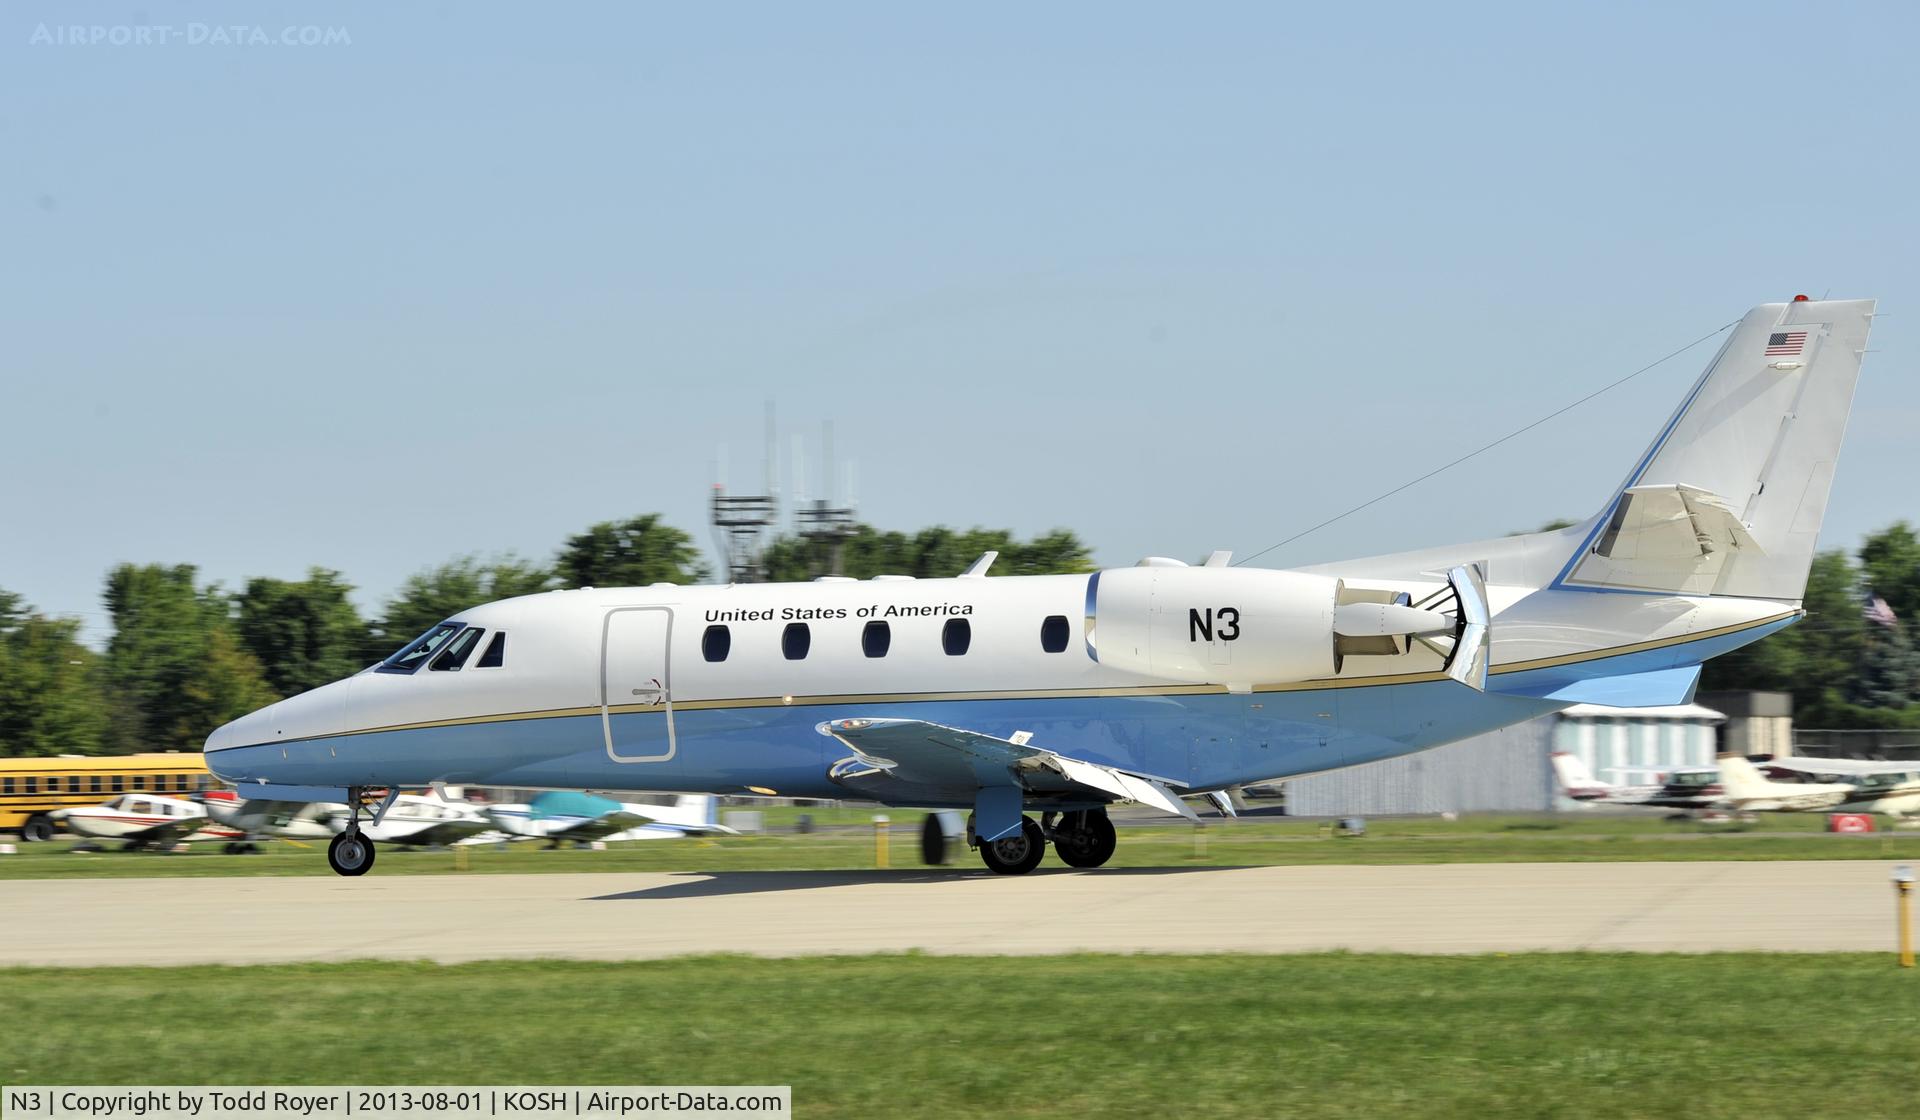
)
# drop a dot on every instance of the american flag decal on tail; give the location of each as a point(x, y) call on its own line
point(1786, 343)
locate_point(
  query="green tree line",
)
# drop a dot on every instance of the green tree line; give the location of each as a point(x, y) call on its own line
point(185, 657)
point(1843, 669)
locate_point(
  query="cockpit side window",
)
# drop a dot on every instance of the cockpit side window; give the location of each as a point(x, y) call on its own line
point(496, 654)
point(420, 649)
point(458, 650)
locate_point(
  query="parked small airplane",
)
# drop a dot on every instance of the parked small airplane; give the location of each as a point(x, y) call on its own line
point(257, 817)
point(1749, 790)
point(1688, 788)
point(563, 816)
point(1057, 696)
point(140, 819)
point(1878, 787)
point(416, 821)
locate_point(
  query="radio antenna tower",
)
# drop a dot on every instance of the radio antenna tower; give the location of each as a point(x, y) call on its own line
point(741, 521)
point(824, 526)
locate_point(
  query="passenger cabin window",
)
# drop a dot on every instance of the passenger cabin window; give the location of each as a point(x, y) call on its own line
point(6, 785)
point(796, 640)
point(876, 639)
point(139, 781)
point(119, 783)
point(33, 785)
point(716, 643)
point(458, 650)
point(496, 654)
point(956, 636)
point(93, 784)
point(420, 649)
point(1053, 633)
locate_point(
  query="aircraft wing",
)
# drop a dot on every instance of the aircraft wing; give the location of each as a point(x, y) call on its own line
point(600, 827)
point(914, 752)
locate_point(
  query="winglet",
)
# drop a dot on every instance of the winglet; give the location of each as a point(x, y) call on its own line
point(978, 569)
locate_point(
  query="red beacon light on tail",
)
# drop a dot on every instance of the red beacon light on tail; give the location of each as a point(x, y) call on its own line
point(1799, 299)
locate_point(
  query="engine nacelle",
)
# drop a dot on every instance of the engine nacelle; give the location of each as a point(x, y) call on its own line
point(1229, 626)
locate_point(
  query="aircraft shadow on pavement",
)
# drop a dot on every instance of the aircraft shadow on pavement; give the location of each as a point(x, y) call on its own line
point(709, 884)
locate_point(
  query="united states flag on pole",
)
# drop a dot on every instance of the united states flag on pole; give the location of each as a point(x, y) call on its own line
point(1786, 344)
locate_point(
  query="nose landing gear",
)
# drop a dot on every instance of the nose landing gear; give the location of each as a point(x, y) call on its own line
point(351, 853)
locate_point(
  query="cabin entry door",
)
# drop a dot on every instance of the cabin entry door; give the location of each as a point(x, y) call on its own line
point(636, 684)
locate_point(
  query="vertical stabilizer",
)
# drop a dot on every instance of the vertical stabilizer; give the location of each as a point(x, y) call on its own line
point(1575, 779)
point(1742, 781)
point(1729, 498)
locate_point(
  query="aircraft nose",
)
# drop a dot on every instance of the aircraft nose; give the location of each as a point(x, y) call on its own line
point(318, 712)
point(233, 733)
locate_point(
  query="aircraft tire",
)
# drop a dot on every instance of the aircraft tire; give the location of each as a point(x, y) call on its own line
point(350, 856)
point(37, 829)
point(1090, 843)
point(1016, 855)
point(933, 841)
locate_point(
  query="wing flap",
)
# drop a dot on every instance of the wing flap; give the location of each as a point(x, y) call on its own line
point(930, 754)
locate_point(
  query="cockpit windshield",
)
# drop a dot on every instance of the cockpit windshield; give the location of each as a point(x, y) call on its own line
point(415, 653)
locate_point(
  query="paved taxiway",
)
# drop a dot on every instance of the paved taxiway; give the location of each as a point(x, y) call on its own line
point(1436, 908)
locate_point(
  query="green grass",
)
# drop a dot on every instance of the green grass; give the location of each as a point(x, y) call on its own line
point(846, 842)
point(1326, 1036)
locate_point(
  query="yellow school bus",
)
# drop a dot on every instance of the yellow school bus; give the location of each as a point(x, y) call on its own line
point(30, 788)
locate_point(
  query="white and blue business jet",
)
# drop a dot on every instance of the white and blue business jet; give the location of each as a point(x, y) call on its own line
point(1059, 696)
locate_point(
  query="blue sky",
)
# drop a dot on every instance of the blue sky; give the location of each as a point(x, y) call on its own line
point(1177, 277)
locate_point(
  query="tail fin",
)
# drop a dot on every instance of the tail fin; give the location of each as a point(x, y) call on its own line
point(1576, 781)
point(1729, 498)
point(1740, 780)
point(704, 805)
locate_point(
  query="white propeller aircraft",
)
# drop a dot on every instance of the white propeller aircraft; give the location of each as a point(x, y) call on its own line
point(1752, 791)
point(1892, 788)
point(1061, 695)
point(563, 816)
point(140, 819)
point(410, 820)
point(1688, 788)
point(248, 818)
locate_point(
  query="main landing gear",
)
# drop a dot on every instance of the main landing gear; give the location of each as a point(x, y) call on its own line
point(351, 853)
point(1016, 854)
point(1081, 839)
point(1084, 839)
